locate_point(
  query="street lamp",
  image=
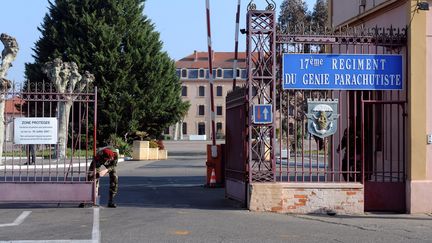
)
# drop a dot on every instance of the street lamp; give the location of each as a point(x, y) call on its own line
point(422, 5)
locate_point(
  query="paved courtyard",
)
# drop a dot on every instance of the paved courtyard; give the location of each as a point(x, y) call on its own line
point(166, 201)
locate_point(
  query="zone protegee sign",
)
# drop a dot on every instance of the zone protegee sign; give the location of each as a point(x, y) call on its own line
point(35, 130)
point(342, 72)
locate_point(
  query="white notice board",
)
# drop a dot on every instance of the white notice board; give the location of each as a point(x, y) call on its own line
point(35, 130)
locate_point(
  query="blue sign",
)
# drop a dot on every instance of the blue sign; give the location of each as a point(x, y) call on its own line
point(342, 72)
point(262, 114)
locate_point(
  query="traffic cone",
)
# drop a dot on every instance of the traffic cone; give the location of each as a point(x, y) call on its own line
point(213, 178)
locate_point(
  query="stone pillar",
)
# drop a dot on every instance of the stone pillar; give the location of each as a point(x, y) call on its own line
point(181, 130)
point(176, 131)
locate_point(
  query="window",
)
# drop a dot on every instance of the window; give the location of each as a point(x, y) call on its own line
point(201, 73)
point(184, 128)
point(238, 73)
point(244, 74)
point(219, 127)
point(201, 91)
point(219, 91)
point(184, 73)
point(178, 72)
point(219, 110)
point(193, 74)
point(228, 73)
point(201, 128)
point(184, 91)
point(167, 130)
point(219, 73)
point(201, 110)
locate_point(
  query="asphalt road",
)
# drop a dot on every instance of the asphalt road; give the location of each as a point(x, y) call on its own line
point(165, 201)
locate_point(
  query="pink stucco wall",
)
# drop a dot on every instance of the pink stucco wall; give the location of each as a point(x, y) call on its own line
point(397, 17)
point(346, 9)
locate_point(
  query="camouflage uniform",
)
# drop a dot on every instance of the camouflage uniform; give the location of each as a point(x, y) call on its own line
point(347, 143)
point(108, 159)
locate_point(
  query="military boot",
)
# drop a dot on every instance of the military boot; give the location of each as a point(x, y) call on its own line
point(111, 203)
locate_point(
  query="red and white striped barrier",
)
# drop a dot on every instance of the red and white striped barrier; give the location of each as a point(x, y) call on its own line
point(237, 29)
point(211, 79)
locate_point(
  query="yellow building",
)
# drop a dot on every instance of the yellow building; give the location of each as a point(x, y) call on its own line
point(194, 76)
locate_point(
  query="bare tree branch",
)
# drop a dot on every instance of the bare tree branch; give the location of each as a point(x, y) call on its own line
point(67, 80)
point(8, 54)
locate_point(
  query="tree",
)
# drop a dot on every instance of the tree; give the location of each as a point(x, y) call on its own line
point(138, 88)
point(319, 16)
point(68, 81)
point(293, 14)
point(8, 55)
point(294, 17)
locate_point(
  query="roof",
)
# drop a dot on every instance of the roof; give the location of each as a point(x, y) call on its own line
point(10, 105)
point(220, 60)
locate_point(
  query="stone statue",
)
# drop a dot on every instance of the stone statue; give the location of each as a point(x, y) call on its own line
point(67, 80)
point(8, 55)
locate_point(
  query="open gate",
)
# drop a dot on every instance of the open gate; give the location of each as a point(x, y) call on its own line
point(369, 145)
point(236, 176)
point(36, 172)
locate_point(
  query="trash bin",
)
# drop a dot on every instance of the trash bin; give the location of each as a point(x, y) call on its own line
point(217, 164)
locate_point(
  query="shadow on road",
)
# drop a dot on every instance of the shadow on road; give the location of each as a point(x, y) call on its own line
point(168, 192)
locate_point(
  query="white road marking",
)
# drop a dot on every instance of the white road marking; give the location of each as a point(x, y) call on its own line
point(18, 220)
point(95, 231)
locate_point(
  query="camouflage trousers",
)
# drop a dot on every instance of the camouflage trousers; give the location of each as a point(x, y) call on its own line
point(113, 178)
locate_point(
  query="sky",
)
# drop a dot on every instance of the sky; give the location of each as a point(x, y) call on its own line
point(181, 24)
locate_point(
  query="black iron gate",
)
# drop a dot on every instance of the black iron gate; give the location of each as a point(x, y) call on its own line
point(36, 172)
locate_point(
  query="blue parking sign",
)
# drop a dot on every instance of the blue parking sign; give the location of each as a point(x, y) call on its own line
point(262, 114)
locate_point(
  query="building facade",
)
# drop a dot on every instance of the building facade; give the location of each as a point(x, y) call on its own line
point(11, 112)
point(417, 19)
point(193, 73)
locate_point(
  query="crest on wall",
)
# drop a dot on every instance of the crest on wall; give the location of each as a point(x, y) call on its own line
point(322, 117)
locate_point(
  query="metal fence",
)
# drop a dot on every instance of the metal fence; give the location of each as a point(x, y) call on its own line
point(37, 172)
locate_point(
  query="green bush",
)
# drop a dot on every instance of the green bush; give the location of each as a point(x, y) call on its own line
point(153, 144)
point(141, 135)
point(117, 142)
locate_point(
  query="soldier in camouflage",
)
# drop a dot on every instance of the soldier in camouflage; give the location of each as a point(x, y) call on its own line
point(350, 172)
point(108, 159)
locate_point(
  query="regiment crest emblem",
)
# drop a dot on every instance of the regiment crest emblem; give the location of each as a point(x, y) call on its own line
point(322, 117)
